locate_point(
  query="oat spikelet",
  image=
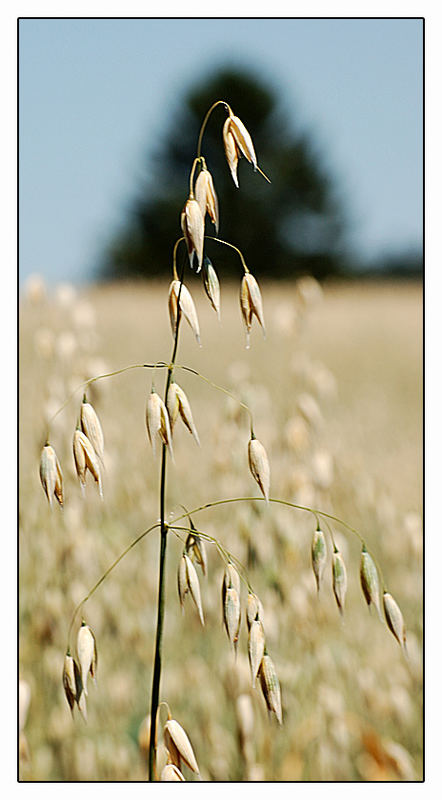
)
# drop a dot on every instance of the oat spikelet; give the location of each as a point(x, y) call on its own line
point(211, 285)
point(194, 587)
point(188, 582)
point(183, 585)
point(231, 151)
point(71, 681)
point(171, 773)
point(254, 609)
point(91, 427)
point(175, 735)
point(394, 618)
point(370, 581)
point(232, 615)
point(87, 654)
point(243, 139)
point(157, 422)
point(177, 403)
point(187, 308)
point(256, 646)
point(196, 550)
point(339, 573)
point(270, 686)
point(259, 465)
point(231, 578)
point(192, 225)
point(251, 304)
point(206, 198)
point(319, 556)
point(85, 459)
point(51, 475)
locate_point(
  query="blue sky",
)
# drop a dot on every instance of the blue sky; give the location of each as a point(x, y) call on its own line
point(95, 95)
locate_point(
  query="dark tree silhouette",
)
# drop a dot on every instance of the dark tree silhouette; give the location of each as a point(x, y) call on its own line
point(290, 227)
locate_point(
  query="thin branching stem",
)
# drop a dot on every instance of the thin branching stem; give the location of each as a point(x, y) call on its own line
point(104, 576)
point(217, 386)
point(162, 564)
point(205, 121)
point(221, 241)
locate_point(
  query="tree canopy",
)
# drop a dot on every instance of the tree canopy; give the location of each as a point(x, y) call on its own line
point(292, 226)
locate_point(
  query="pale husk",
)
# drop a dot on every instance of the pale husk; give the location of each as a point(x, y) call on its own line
point(171, 773)
point(254, 608)
point(211, 285)
point(192, 225)
point(339, 573)
point(87, 654)
point(51, 475)
point(394, 618)
point(256, 645)
point(187, 308)
point(243, 139)
point(259, 466)
point(92, 428)
point(173, 732)
point(231, 151)
point(85, 459)
point(206, 197)
point(270, 686)
point(157, 422)
point(232, 614)
point(194, 586)
point(319, 556)
point(370, 581)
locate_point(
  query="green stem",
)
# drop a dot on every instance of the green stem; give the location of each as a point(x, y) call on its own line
point(156, 679)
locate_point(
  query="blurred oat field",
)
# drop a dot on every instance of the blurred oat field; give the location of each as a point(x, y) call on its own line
point(336, 393)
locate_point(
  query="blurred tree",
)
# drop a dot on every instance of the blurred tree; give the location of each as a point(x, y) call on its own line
point(290, 227)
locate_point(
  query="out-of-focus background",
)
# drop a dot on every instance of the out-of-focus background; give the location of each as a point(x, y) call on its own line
point(109, 117)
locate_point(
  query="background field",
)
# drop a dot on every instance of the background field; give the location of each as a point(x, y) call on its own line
point(336, 394)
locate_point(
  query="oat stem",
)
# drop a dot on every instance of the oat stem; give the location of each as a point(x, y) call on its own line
point(221, 241)
point(162, 563)
point(205, 121)
point(104, 576)
point(216, 386)
point(192, 173)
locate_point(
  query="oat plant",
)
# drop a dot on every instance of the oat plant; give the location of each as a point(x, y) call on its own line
point(163, 413)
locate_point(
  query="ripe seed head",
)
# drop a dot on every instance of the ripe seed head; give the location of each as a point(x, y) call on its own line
point(319, 556)
point(175, 735)
point(254, 609)
point(211, 285)
point(196, 550)
point(92, 428)
point(171, 773)
point(71, 681)
point(51, 475)
point(206, 198)
point(192, 225)
point(370, 581)
point(251, 303)
point(231, 151)
point(243, 139)
point(187, 308)
point(85, 459)
point(270, 686)
point(179, 404)
point(87, 654)
point(157, 422)
point(256, 646)
point(232, 614)
point(339, 580)
point(259, 466)
point(194, 587)
point(394, 618)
